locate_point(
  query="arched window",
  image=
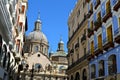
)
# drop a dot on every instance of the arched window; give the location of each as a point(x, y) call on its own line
point(77, 76)
point(36, 49)
point(4, 55)
point(93, 71)
point(101, 68)
point(61, 68)
point(112, 66)
point(38, 66)
point(84, 75)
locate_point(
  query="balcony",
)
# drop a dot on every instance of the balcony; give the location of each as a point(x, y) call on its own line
point(89, 13)
point(97, 24)
point(83, 39)
point(79, 26)
point(78, 61)
point(76, 45)
point(117, 5)
point(90, 32)
point(98, 3)
point(108, 14)
point(98, 50)
point(107, 43)
point(117, 35)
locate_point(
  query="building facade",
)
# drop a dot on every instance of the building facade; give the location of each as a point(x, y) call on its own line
point(104, 48)
point(9, 24)
point(77, 42)
point(37, 65)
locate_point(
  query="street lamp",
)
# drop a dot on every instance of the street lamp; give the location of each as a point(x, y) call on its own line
point(25, 69)
point(50, 69)
point(32, 72)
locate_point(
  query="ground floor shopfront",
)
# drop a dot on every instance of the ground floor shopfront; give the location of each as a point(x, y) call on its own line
point(106, 66)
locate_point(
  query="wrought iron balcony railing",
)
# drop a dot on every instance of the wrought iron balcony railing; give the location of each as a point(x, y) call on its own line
point(78, 61)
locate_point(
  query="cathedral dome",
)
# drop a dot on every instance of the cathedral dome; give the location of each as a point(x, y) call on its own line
point(37, 35)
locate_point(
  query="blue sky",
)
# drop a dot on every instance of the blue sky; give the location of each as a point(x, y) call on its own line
point(54, 16)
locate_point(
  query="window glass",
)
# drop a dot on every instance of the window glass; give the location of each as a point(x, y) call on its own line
point(103, 9)
point(103, 34)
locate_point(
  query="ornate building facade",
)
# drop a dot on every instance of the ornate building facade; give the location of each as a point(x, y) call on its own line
point(12, 29)
point(36, 63)
point(104, 40)
point(77, 42)
point(59, 62)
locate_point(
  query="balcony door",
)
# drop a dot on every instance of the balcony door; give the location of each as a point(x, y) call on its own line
point(109, 34)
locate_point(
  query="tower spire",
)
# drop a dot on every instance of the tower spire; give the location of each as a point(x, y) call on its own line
point(38, 23)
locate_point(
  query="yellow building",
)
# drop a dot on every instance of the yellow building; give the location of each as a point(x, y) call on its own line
point(77, 42)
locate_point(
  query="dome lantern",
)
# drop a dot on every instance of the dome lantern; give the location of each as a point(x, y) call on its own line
point(61, 45)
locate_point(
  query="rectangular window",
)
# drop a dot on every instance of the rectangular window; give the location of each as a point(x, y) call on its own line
point(103, 34)
point(92, 47)
point(100, 42)
point(91, 7)
point(108, 8)
point(91, 25)
point(95, 41)
point(94, 17)
point(109, 33)
point(103, 9)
